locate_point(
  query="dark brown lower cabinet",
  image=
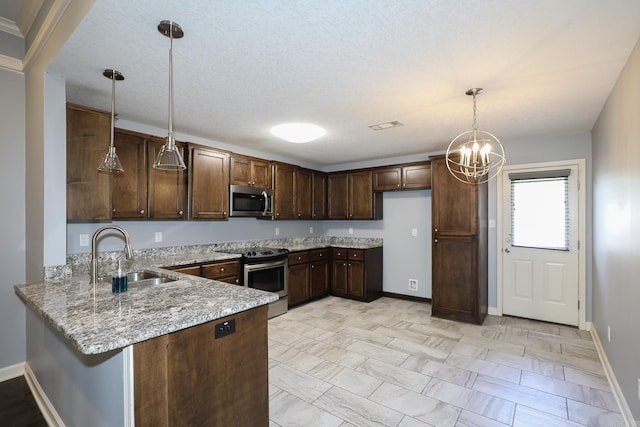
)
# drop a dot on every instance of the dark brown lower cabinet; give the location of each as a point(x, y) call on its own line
point(357, 273)
point(192, 378)
point(308, 276)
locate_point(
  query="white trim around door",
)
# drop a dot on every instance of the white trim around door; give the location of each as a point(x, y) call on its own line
point(500, 191)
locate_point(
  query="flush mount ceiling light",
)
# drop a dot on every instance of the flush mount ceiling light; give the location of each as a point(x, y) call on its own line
point(111, 162)
point(298, 132)
point(169, 157)
point(386, 125)
point(475, 156)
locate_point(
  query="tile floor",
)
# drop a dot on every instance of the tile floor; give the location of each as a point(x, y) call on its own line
point(337, 362)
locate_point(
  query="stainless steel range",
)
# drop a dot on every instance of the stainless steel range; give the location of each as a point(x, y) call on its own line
point(266, 269)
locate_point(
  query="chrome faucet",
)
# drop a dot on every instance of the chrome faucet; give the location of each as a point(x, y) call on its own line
point(128, 251)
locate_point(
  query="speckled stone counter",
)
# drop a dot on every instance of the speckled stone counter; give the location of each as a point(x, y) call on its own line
point(95, 320)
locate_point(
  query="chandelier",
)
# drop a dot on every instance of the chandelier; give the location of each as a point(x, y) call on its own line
point(111, 162)
point(169, 157)
point(475, 156)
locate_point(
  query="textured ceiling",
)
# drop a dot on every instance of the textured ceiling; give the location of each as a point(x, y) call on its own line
point(547, 67)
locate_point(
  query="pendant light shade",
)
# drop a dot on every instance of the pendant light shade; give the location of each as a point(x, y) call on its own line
point(111, 162)
point(475, 156)
point(169, 157)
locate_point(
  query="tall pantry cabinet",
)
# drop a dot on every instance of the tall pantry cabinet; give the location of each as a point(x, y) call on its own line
point(459, 246)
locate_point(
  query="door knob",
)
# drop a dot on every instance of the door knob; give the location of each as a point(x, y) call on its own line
point(507, 250)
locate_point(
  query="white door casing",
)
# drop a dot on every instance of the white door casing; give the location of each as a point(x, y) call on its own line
point(538, 283)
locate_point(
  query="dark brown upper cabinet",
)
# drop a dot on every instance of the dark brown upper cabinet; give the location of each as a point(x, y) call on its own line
point(208, 183)
point(250, 171)
point(402, 177)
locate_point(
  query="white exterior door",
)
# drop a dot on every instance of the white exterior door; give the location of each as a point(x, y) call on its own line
point(540, 251)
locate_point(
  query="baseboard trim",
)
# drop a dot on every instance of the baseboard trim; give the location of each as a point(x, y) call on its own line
point(46, 407)
point(493, 311)
point(13, 371)
point(406, 297)
point(613, 382)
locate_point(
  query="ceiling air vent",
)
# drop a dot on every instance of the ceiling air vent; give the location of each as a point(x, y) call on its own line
point(386, 125)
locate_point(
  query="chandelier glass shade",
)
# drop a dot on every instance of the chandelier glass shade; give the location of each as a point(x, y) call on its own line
point(169, 157)
point(475, 156)
point(111, 163)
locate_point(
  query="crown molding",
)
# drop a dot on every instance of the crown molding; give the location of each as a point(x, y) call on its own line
point(8, 26)
point(11, 64)
point(27, 15)
point(44, 32)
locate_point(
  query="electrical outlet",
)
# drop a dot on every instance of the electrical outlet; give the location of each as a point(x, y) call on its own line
point(158, 236)
point(414, 232)
point(310, 230)
point(277, 231)
point(225, 328)
point(413, 285)
point(608, 333)
point(492, 223)
point(350, 230)
point(84, 240)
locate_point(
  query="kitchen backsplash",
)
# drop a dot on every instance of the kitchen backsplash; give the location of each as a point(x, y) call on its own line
point(78, 264)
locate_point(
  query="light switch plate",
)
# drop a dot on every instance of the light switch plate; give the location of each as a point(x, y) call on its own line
point(84, 240)
point(350, 230)
point(158, 236)
point(414, 232)
point(277, 231)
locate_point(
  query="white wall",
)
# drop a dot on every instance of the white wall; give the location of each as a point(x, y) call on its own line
point(12, 217)
point(616, 229)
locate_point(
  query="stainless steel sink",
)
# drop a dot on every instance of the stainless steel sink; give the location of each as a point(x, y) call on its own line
point(147, 278)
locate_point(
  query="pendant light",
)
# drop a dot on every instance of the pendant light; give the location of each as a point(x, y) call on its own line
point(111, 162)
point(475, 156)
point(169, 157)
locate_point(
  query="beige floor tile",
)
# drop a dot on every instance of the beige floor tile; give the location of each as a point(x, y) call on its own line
point(581, 393)
point(587, 378)
point(420, 350)
point(495, 370)
point(471, 419)
point(448, 392)
point(526, 364)
point(539, 400)
point(343, 357)
point(592, 416)
point(491, 407)
point(418, 406)
point(381, 353)
point(339, 362)
point(529, 417)
point(406, 378)
point(408, 421)
point(288, 410)
point(592, 366)
point(297, 383)
point(357, 410)
point(461, 377)
point(366, 335)
point(355, 382)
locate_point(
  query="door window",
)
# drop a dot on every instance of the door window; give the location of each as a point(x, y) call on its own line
point(540, 210)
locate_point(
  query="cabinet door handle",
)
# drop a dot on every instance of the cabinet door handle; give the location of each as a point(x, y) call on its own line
point(313, 266)
point(435, 229)
point(224, 213)
point(221, 269)
point(249, 183)
point(180, 212)
point(435, 240)
point(277, 213)
point(141, 211)
point(344, 265)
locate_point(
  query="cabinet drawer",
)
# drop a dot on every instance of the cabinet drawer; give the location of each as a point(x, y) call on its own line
point(318, 255)
point(234, 280)
point(194, 270)
point(221, 269)
point(356, 254)
point(339, 253)
point(298, 257)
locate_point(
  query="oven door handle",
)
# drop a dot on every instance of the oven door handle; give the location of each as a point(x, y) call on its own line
point(265, 265)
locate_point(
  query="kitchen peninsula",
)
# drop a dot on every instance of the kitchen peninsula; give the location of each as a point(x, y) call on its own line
point(164, 339)
point(192, 351)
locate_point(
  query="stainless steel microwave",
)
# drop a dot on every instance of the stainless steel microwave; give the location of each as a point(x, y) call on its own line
point(250, 201)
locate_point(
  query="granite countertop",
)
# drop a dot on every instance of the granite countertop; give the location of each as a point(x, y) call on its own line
point(95, 320)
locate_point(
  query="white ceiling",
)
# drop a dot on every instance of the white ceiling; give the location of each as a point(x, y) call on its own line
point(547, 67)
